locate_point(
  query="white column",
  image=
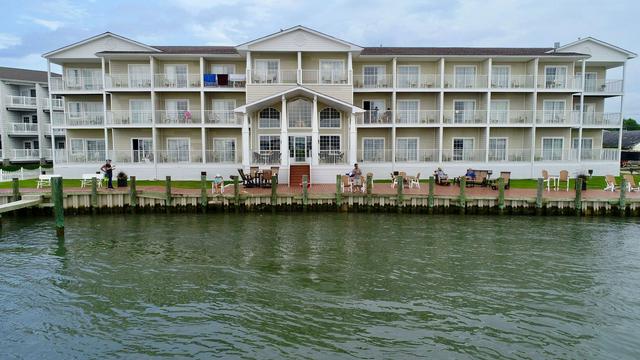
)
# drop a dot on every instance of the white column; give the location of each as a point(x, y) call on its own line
point(53, 137)
point(154, 132)
point(202, 113)
point(441, 115)
point(624, 85)
point(248, 66)
point(393, 120)
point(299, 69)
point(104, 110)
point(315, 134)
point(584, 67)
point(394, 66)
point(536, 63)
point(488, 128)
point(284, 135)
point(353, 140)
point(246, 142)
point(350, 68)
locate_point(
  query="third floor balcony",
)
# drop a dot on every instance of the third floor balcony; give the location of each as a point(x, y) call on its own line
point(21, 102)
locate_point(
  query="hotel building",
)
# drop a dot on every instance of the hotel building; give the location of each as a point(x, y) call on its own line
point(302, 99)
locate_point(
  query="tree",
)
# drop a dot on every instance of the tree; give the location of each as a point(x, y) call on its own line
point(630, 124)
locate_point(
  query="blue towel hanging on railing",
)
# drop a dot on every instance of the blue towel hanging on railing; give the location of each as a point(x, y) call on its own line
point(210, 80)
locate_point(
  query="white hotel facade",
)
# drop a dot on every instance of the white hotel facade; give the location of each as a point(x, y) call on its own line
point(299, 96)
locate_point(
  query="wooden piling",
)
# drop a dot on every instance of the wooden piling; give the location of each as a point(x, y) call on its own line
point(236, 193)
point(501, 194)
point(16, 189)
point(204, 200)
point(338, 191)
point(400, 190)
point(94, 195)
point(58, 204)
point(622, 202)
point(432, 191)
point(274, 191)
point(133, 194)
point(578, 201)
point(462, 198)
point(539, 192)
point(305, 192)
point(167, 190)
point(369, 190)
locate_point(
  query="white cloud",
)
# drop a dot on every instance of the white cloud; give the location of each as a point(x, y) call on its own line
point(30, 61)
point(220, 32)
point(9, 40)
point(52, 25)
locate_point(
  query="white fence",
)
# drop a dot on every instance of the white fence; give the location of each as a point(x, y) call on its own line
point(23, 174)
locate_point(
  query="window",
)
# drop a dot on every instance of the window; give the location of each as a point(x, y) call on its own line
point(266, 71)
point(223, 68)
point(590, 81)
point(553, 111)
point(141, 150)
point(224, 150)
point(555, 76)
point(552, 148)
point(374, 111)
point(463, 149)
point(90, 150)
point(269, 142)
point(330, 118)
point(498, 149)
point(176, 75)
point(300, 148)
point(329, 143)
point(373, 149)
point(500, 76)
point(90, 79)
point(465, 76)
point(406, 149)
point(178, 149)
point(84, 113)
point(223, 111)
point(374, 76)
point(500, 111)
point(587, 148)
point(139, 75)
point(299, 113)
point(176, 110)
point(332, 71)
point(464, 111)
point(408, 111)
point(269, 118)
point(589, 112)
point(408, 76)
point(140, 111)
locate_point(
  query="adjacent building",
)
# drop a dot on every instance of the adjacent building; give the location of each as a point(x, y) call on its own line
point(25, 116)
point(301, 97)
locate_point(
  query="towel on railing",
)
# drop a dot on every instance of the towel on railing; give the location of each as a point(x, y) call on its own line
point(210, 80)
point(223, 79)
point(237, 77)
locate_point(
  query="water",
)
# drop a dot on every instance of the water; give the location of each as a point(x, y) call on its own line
point(320, 286)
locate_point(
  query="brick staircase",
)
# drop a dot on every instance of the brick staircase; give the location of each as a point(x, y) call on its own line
point(296, 172)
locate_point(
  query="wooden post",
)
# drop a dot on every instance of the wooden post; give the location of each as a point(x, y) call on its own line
point(500, 193)
point(94, 195)
point(133, 193)
point(204, 200)
point(338, 191)
point(578, 202)
point(400, 188)
point(274, 190)
point(167, 190)
point(305, 192)
point(539, 192)
point(369, 190)
point(236, 192)
point(432, 190)
point(16, 189)
point(463, 197)
point(622, 204)
point(58, 204)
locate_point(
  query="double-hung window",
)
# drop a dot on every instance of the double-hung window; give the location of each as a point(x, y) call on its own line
point(373, 76)
point(329, 118)
point(224, 150)
point(332, 72)
point(498, 149)
point(373, 149)
point(465, 76)
point(406, 149)
point(269, 118)
point(552, 148)
point(463, 149)
point(408, 111)
point(267, 71)
point(408, 76)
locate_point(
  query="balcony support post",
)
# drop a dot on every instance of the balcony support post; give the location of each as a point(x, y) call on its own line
point(246, 156)
point(299, 70)
point(536, 63)
point(349, 68)
point(581, 115)
point(104, 111)
point(624, 82)
point(353, 139)
point(202, 106)
point(315, 133)
point(284, 134)
point(248, 66)
point(488, 121)
point(51, 116)
point(393, 121)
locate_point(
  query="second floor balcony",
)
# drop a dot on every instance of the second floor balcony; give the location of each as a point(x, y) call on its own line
point(467, 117)
point(21, 102)
point(512, 82)
point(417, 117)
point(374, 81)
point(177, 81)
point(28, 129)
point(78, 119)
point(468, 82)
point(178, 117)
point(511, 117)
point(58, 104)
point(26, 155)
point(602, 119)
point(128, 81)
point(77, 84)
point(223, 118)
point(557, 117)
point(130, 117)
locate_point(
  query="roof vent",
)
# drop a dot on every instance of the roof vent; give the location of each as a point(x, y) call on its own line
point(556, 45)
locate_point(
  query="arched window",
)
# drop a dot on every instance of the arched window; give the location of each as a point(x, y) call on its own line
point(299, 113)
point(269, 118)
point(329, 118)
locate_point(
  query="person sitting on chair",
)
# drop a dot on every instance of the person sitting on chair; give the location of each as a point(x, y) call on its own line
point(470, 175)
point(441, 177)
point(356, 175)
point(218, 184)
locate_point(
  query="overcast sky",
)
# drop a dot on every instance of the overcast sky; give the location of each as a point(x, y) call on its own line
point(29, 28)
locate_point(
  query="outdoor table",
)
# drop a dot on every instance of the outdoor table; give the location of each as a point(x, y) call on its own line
point(556, 182)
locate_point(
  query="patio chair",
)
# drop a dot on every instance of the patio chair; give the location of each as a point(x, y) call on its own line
point(247, 181)
point(506, 177)
point(275, 170)
point(217, 185)
point(43, 180)
point(611, 183)
point(546, 179)
point(414, 181)
point(87, 179)
point(631, 183)
point(266, 178)
point(346, 183)
point(253, 171)
point(564, 177)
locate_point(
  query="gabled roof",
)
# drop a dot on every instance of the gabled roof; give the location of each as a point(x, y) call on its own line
point(182, 50)
point(8, 73)
point(298, 91)
point(630, 138)
point(99, 36)
point(245, 46)
point(464, 51)
point(629, 54)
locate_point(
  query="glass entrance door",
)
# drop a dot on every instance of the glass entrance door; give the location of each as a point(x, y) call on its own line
point(299, 149)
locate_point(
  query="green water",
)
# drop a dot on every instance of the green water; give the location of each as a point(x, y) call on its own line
point(320, 286)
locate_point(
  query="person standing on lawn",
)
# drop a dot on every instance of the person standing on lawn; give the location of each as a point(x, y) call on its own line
point(107, 169)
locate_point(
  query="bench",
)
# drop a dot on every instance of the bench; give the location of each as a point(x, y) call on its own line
point(87, 179)
point(481, 179)
point(44, 180)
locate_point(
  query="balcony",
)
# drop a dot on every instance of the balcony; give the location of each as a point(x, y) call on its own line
point(418, 81)
point(379, 81)
point(26, 155)
point(80, 156)
point(223, 118)
point(266, 157)
point(178, 117)
point(124, 81)
point(552, 155)
point(419, 155)
point(131, 118)
point(21, 102)
point(182, 156)
point(58, 104)
point(319, 77)
point(599, 119)
point(511, 117)
point(181, 81)
point(602, 86)
point(463, 155)
point(466, 117)
point(77, 84)
point(599, 154)
point(558, 83)
point(375, 118)
point(417, 117)
point(513, 82)
point(465, 82)
point(331, 157)
point(509, 155)
point(274, 77)
point(78, 119)
point(225, 80)
point(223, 157)
point(558, 117)
point(374, 155)
point(25, 129)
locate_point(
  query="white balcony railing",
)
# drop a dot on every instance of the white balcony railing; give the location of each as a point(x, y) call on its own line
point(80, 156)
point(129, 117)
point(512, 82)
point(177, 81)
point(178, 116)
point(555, 154)
point(26, 154)
point(21, 101)
point(602, 85)
point(79, 119)
point(372, 81)
point(374, 155)
point(417, 155)
point(324, 77)
point(417, 117)
point(465, 116)
point(509, 155)
point(602, 119)
point(223, 156)
point(465, 82)
point(558, 82)
point(222, 117)
point(58, 104)
point(179, 156)
point(120, 81)
point(274, 77)
point(420, 81)
point(599, 154)
point(88, 83)
point(265, 157)
point(558, 117)
point(463, 155)
point(225, 80)
point(375, 117)
point(24, 129)
point(332, 157)
point(511, 117)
